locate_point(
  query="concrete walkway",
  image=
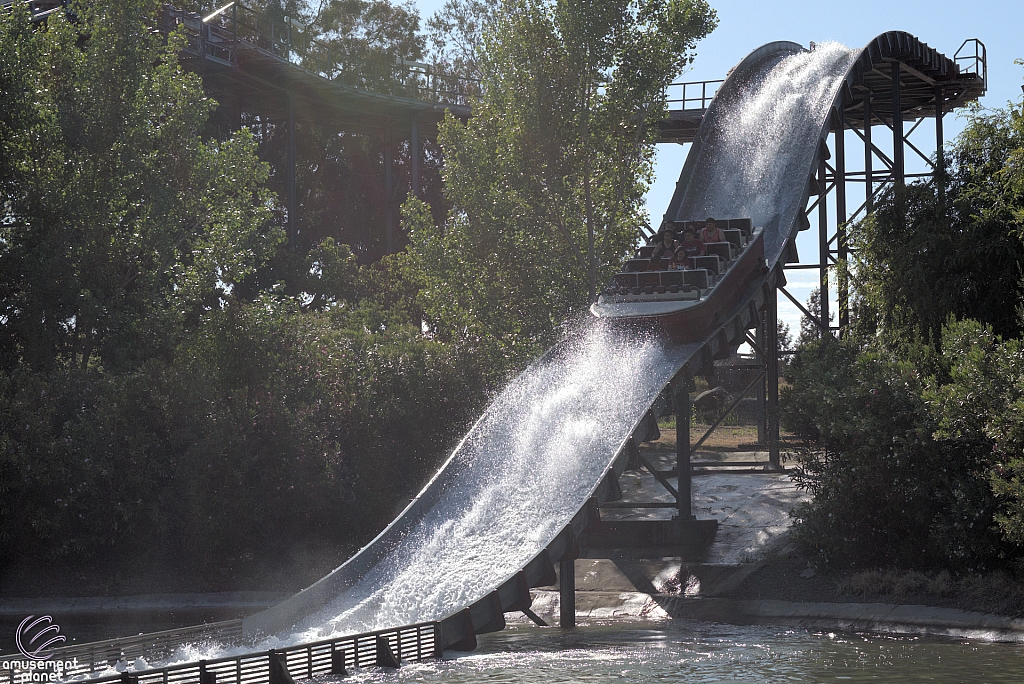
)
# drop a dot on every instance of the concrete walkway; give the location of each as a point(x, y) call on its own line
point(753, 514)
point(752, 509)
point(867, 617)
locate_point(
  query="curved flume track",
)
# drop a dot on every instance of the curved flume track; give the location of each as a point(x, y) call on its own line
point(525, 481)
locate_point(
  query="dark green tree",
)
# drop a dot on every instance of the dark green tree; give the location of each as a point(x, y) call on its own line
point(915, 454)
point(546, 180)
point(920, 259)
point(120, 221)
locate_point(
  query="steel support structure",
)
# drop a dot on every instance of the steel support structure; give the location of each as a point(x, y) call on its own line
point(414, 158)
point(683, 469)
point(770, 345)
point(765, 343)
point(884, 168)
point(567, 593)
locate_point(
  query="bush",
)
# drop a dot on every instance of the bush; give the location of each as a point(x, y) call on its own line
point(886, 491)
point(270, 427)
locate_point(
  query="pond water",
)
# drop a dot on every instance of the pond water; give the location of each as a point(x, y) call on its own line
point(701, 652)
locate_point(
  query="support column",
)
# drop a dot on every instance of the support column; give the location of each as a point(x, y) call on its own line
point(869, 189)
point(842, 289)
point(389, 193)
point(683, 414)
point(762, 437)
point(567, 593)
point(293, 205)
point(414, 157)
point(940, 153)
point(771, 324)
point(898, 164)
point(822, 243)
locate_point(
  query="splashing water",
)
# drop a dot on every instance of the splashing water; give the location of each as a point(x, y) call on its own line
point(532, 461)
point(763, 141)
point(519, 477)
point(534, 458)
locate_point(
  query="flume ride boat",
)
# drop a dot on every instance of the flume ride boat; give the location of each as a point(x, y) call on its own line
point(685, 304)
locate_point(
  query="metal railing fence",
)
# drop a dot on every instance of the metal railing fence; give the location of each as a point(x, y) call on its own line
point(972, 58)
point(692, 94)
point(303, 661)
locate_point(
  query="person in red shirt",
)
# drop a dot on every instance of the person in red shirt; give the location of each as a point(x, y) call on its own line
point(711, 233)
point(691, 246)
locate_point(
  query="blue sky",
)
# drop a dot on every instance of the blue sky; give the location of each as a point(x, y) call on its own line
point(744, 26)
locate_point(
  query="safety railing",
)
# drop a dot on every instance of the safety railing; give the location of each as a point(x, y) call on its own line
point(39, 9)
point(972, 58)
point(692, 94)
point(221, 35)
point(278, 666)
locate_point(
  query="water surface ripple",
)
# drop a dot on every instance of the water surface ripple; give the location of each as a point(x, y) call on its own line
point(698, 653)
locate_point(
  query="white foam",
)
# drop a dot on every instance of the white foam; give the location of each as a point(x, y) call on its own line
point(756, 161)
point(524, 471)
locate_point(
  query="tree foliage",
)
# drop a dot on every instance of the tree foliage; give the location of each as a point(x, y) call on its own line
point(172, 377)
point(119, 220)
point(887, 489)
point(545, 182)
point(915, 442)
point(455, 34)
point(921, 258)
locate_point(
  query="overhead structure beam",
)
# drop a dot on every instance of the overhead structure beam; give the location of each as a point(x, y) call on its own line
point(414, 157)
point(899, 162)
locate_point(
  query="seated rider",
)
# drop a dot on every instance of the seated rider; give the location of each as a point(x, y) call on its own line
point(710, 232)
point(691, 246)
point(665, 247)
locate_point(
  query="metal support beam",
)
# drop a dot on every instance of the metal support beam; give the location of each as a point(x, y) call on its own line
point(659, 476)
point(823, 242)
point(898, 163)
point(940, 152)
point(869, 191)
point(536, 619)
point(804, 311)
point(842, 251)
point(771, 343)
point(683, 451)
point(414, 157)
point(761, 387)
point(567, 593)
point(753, 342)
point(730, 409)
point(389, 193)
point(293, 204)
